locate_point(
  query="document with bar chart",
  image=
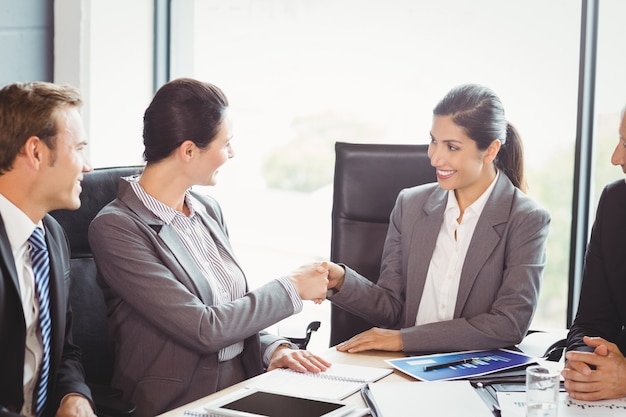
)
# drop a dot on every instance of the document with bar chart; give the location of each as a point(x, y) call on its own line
point(458, 365)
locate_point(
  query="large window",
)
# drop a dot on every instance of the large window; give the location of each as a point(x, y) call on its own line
point(610, 93)
point(301, 75)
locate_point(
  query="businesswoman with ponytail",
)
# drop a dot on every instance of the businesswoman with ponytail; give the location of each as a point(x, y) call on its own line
point(463, 257)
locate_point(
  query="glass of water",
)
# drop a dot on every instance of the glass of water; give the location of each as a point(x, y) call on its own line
point(542, 391)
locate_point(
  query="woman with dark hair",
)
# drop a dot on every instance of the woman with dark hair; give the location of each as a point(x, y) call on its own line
point(463, 257)
point(182, 319)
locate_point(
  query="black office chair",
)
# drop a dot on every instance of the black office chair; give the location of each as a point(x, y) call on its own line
point(90, 318)
point(549, 345)
point(367, 181)
point(368, 178)
point(302, 342)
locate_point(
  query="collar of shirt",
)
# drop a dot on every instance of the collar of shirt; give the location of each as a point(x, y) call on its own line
point(162, 211)
point(20, 226)
point(475, 209)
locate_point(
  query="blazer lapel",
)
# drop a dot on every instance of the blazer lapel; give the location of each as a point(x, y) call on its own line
point(422, 238)
point(200, 287)
point(8, 264)
point(58, 295)
point(170, 238)
point(486, 236)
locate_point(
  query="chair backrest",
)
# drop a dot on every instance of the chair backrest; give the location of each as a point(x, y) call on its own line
point(368, 178)
point(90, 318)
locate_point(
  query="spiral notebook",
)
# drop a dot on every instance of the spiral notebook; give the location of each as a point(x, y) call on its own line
point(337, 382)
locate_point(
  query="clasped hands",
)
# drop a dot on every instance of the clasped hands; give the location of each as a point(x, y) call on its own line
point(597, 375)
point(312, 282)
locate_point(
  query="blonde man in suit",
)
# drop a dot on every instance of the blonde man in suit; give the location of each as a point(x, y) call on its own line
point(41, 166)
point(463, 257)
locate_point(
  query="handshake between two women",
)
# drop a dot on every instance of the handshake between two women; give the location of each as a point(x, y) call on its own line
point(312, 281)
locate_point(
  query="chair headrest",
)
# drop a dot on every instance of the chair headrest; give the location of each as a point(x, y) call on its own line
point(99, 189)
point(368, 178)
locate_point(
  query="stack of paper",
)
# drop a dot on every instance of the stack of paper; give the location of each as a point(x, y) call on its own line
point(513, 404)
point(443, 398)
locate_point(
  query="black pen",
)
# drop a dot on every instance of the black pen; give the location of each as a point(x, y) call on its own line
point(369, 401)
point(446, 364)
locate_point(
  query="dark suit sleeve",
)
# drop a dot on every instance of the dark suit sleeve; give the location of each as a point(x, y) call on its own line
point(598, 314)
point(69, 374)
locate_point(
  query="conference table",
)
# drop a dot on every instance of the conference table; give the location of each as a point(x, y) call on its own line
point(533, 345)
point(370, 358)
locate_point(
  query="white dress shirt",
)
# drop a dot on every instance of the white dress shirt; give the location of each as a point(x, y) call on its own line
point(19, 228)
point(444, 272)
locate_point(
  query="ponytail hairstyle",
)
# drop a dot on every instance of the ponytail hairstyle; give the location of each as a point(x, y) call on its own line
point(480, 113)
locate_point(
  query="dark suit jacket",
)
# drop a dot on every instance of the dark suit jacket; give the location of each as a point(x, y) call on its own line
point(66, 370)
point(602, 309)
point(166, 330)
point(500, 278)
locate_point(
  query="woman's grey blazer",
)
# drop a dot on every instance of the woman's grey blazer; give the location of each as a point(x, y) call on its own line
point(164, 328)
point(500, 278)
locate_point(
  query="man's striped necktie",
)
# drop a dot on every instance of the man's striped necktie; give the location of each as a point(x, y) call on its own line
point(41, 270)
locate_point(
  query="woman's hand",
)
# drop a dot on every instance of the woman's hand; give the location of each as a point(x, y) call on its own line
point(298, 360)
point(311, 281)
point(336, 275)
point(373, 339)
